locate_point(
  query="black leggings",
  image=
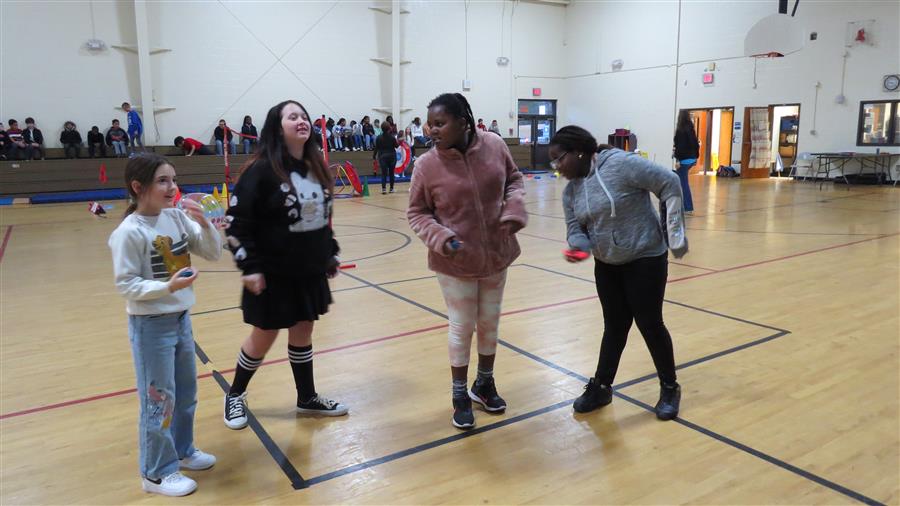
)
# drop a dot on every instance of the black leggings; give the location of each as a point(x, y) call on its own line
point(633, 292)
point(387, 162)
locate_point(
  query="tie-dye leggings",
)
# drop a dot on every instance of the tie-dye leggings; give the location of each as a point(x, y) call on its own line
point(472, 302)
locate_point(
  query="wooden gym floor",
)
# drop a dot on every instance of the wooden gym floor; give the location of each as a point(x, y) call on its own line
point(784, 316)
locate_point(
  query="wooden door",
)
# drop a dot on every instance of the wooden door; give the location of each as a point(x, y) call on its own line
point(726, 136)
point(701, 123)
point(756, 144)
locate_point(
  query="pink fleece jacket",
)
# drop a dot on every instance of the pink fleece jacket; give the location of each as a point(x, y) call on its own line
point(467, 197)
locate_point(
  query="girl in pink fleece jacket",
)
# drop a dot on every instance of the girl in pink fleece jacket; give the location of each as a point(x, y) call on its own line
point(466, 203)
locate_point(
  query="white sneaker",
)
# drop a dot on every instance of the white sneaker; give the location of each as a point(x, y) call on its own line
point(236, 411)
point(197, 461)
point(173, 485)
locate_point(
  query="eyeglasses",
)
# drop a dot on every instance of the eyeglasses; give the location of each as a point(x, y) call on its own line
point(554, 164)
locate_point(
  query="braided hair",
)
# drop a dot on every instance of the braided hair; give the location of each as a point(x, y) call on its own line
point(456, 105)
point(576, 139)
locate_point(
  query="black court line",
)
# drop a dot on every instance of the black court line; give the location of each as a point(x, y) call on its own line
point(297, 481)
point(682, 304)
point(397, 295)
point(434, 444)
point(702, 430)
point(707, 432)
point(760, 455)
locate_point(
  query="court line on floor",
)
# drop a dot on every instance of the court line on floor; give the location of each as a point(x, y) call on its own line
point(122, 392)
point(545, 306)
point(528, 234)
point(848, 492)
point(682, 304)
point(268, 443)
point(6, 237)
point(735, 211)
point(702, 430)
point(780, 233)
point(786, 257)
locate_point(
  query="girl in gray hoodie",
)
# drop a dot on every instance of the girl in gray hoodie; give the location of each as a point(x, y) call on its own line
point(609, 213)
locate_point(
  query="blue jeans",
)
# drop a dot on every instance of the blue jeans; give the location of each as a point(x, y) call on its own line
point(337, 142)
point(220, 148)
point(120, 148)
point(370, 142)
point(135, 135)
point(163, 350)
point(358, 141)
point(683, 169)
point(248, 146)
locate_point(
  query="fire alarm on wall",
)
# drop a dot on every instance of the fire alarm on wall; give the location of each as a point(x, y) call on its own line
point(535, 92)
point(708, 78)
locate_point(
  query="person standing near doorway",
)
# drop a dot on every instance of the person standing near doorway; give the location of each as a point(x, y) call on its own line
point(686, 151)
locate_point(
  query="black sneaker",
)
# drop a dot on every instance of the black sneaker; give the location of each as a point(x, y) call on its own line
point(462, 413)
point(669, 401)
point(595, 395)
point(485, 393)
point(236, 411)
point(319, 405)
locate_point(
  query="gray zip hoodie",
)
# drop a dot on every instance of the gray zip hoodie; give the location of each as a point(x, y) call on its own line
point(609, 212)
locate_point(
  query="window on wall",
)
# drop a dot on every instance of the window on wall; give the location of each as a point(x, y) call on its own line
point(879, 123)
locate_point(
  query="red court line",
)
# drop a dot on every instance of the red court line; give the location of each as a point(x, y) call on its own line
point(778, 259)
point(224, 371)
point(343, 347)
point(528, 234)
point(436, 327)
point(67, 403)
point(5, 241)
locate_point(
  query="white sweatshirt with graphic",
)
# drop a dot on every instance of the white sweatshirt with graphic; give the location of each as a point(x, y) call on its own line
point(148, 250)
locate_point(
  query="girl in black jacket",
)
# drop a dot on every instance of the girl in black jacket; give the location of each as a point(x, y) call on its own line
point(686, 152)
point(279, 230)
point(386, 154)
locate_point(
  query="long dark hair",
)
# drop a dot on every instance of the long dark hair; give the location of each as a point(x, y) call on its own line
point(248, 120)
point(141, 168)
point(685, 125)
point(456, 105)
point(575, 139)
point(273, 150)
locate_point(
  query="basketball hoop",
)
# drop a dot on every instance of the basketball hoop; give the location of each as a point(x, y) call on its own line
point(771, 54)
point(774, 36)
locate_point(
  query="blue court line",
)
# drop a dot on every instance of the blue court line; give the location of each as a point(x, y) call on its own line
point(702, 430)
point(280, 458)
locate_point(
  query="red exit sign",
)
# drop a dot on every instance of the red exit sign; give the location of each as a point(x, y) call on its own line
point(535, 92)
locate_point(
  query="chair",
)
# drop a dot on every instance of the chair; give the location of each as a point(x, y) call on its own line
point(803, 160)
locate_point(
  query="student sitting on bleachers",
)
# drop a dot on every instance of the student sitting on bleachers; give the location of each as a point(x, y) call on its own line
point(223, 135)
point(71, 140)
point(16, 141)
point(357, 132)
point(118, 139)
point(34, 140)
point(95, 143)
point(248, 130)
point(4, 142)
point(191, 147)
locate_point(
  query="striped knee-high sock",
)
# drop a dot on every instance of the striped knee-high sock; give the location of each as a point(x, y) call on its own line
point(246, 366)
point(301, 358)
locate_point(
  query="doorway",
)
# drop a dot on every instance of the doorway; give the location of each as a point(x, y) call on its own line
point(714, 127)
point(769, 145)
point(785, 130)
point(537, 124)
